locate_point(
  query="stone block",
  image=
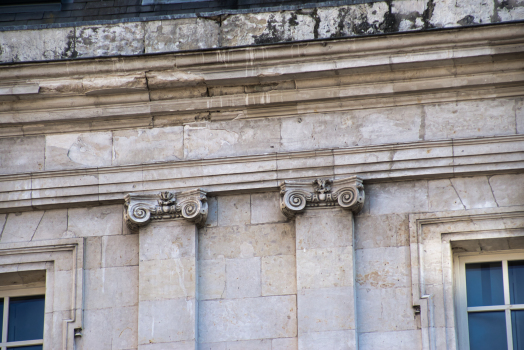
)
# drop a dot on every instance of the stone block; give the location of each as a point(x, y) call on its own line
point(259, 344)
point(519, 110)
point(97, 332)
point(180, 345)
point(114, 83)
point(400, 340)
point(247, 241)
point(68, 151)
point(125, 328)
point(22, 154)
point(158, 320)
point(326, 309)
point(508, 189)
point(167, 279)
point(181, 35)
point(119, 250)
point(449, 13)
point(470, 119)
point(231, 138)
point(212, 212)
point(37, 45)
point(474, 192)
point(167, 240)
point(333, 340)
point(284, 344)
point(353, 128)
point(398, 197)
point(279, 275)
point(351, 20)
point(213, 346)
point(111, 287)
point(110, 40)
point(53, 225)
point(510, 13)
point(324, 228)
point(247, 319)
point(234, 210)
point(148, 145)
point(243, 278)
point(20, 227)
point(443, 196)
point(265, 208)
point(93, 255)
point(381, 231)
point(324, 268)
point(211, 279)
point(383, 267)
point(95, 221)
point(384, 309)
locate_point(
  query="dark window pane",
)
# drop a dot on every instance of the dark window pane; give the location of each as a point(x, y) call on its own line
point(517, 323)
point(487, 331)
point(32, 347)
point(484, 284)
point(26, 318)
point(1, 316)
point(516, 281)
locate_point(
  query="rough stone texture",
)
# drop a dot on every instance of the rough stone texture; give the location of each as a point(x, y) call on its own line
point(181, 34)
point(78, 150)
point(450, 13)
point(24, 154)
point(37, 45)
point(110, 40)
point(96, 221)
point(265, 207)
point(234, 210)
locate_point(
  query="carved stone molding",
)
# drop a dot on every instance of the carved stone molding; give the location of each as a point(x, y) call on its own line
point(296, 196)
point(140, 209)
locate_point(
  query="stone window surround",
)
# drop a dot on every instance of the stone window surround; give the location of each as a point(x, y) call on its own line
point(63, 261)
point(433, 270)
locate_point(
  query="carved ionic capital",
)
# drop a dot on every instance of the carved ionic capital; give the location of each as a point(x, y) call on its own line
point(296, 196)
point(140, 209)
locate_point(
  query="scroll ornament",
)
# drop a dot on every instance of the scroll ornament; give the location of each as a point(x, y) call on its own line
point(296, 196)
point(141, 209)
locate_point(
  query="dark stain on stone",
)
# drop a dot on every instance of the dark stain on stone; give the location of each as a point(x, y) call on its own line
point(293, 19)
point(426, 15)
point(467, 20)
point(70, 51)
point(390, 23)
point(272, 36)
point(316, 18)
point(341, 26)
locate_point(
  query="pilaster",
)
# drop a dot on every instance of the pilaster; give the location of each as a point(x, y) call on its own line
point(326, 310)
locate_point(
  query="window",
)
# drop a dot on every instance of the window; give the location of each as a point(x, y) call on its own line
point(490, 302)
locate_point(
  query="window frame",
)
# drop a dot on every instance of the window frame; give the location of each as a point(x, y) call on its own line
point(462, 310)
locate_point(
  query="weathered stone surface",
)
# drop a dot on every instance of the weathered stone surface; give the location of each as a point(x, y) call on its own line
point(246, 242)
point(181, 34)
point(69, 151)
point(384, 309)
point(111, 287)
point(148, 145)
point(173, 79)
point(37, 45)
point(211, 279)
point(474, 192)
point(442, 195)
point(234, 210)
point(20, 227)
point(259, 344)
point(381, 231)
point(470, 119)
point(110, 40)
point(383, 267)
point(239, 137)
point(324, 268)
point(22, 154)
point(245, 319)
point(355, 128)
point(324, 229)
point(212, 212)
point(279, 275)
point(401, 340)
point(284, 344)
point(507, 189)
point(519, 110)
point(408, 14)
point(336, 340)
point(403, 197)
point(158, 319)
point(119, 250)
point(265, 207)
point(243, 278)
point(97, 85)
point(167, 279)
point(96, 221)
point(449, 13)
point(325, 309)
point(53, 225)
point(167, 240)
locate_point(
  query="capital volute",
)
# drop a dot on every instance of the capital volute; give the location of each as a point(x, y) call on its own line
point(140, 209)
point(296, 196)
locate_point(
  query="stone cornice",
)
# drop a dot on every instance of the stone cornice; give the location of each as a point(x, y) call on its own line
point(394, 162)
point(190, 205)
point(296, 196)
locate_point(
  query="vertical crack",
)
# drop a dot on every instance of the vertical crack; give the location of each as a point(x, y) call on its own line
point(492, 192)
point(461, 202)
point(37, 226)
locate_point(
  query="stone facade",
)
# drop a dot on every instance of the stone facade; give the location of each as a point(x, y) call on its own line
point(187, 185)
